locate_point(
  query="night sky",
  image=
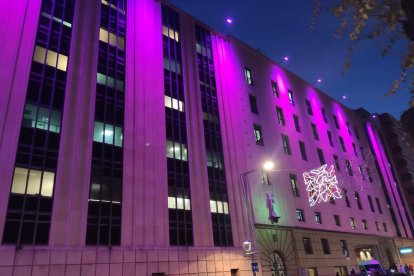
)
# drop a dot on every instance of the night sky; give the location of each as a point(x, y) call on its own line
point(282, 28)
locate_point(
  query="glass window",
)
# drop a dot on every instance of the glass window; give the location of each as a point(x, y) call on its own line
point(19, 180)
point(39, 54)
point(294, 185)
point(258, 134)
point(352, 221)
point(378, 205)
point(48, 183)
point(280, 116)
point(253, 104)
point(98, 132)
point(33, 185)
point(213, 206)
point(248, 76)
point(336, 161)
point(307, 246)
point(349, 167)
point(300, 215)
point(101, 79)
point(173, 103)
point(377, 226)
point(309, 107)
point(365, 224)
point(318, 218)
point(337, 220)
point(341, 141)
point(51, 58)
point(303, 150)
point(336, 121)
point(103, 35)
point(325, 246)
point(265, 178)
point(62, 62)
point(275, 89)
point(54, 123)
point(330, 138)
point(321, 157)
point(296, 120)
point(108, 134)
point(291, 99)
point(118, 136)
point(286, 145)
point(315, 132)
point(176, 150)
point(324, 115)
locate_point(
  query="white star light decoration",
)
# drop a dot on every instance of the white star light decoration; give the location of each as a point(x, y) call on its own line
point(321, 185)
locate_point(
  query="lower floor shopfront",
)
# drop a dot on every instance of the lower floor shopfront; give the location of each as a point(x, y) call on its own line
point(282, 251)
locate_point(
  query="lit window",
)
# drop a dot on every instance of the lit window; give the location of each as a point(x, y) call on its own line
point(203, 50)
point(51, 58)
point(179, 203)
point(291, 99)
point(41, 118)
point(300, 215)
point(170, 33)
point(108, 134)
point(111, 39)
point(219, 207)
point(365, 224)
point(110, 82)
point(173, 103)
point(106, 3)
point(275, 89)
point(318, 218)
point(32, 182)
point(265, 178)
point(67, 24)
point(176, 150)
point(258, 134)
point(352, 221)
point(172, 65)
point(214, 159)
point(248, 75)
point(294, 185)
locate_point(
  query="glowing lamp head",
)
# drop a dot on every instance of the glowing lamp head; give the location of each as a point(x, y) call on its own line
point(344, 97)
point(268, 165)
point(374, 116)
point(286, 58)
point(319, 80)
point(229, 20)
point(247, 246)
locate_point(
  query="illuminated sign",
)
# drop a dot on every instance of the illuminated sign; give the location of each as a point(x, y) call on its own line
point(321, 185)
point(406, 250)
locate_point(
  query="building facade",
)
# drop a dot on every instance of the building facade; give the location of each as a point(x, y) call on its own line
point(131, 137)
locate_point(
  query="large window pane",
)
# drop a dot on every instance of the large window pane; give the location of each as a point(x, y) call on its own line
point(47, 183)
point(54, 125)
point(98, 132)
point(19, 180)
point(118, 136)
point(33, 187)
point(62, 62)
point(109, 134)
point(29, 117)
point(43, 118)
point(51, 58)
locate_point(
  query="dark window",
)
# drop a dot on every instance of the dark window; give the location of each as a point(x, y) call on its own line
point(258, 135)
point(356, 194)
point(318, 218)
point(365, 224)
point(377, 226)
point(294, 185)
point(361, 172)
point(300, 215)
point(349, 167)
point(336, 121)
point(286, 145)
point(355, 150)
point(341, 141)
point(324, 115)
point(321, 157)
point(248, 75)
point(253, 104)
point(280, 117)
point(356, 133)
point(315, 132)
point(348, 128)
point(325, 246)
point(307, 246)
point(348, 203)
point(296, 120)
point(303, 150)
point(338, 167)
point(384, 225)
point(330, 138)
point(378, 205)
point(265, 178)
point(275, 89)
point(291, 98)
point(309, 107)
point(337, 220)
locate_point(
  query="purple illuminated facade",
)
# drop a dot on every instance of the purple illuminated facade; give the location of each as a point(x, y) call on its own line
point(128, 128)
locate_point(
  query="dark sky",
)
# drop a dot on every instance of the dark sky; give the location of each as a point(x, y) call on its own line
point(280, 27)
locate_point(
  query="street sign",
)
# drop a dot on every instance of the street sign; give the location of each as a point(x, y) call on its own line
point(255, 267)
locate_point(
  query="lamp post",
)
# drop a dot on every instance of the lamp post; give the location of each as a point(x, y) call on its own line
point(247, 245)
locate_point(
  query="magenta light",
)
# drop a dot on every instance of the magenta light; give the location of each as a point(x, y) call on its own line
point(374, 116)
point(286, 58)
point(228, 20)
point(344, 97)
point(319, 80)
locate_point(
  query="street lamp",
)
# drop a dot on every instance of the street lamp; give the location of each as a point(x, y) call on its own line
point(247, 245)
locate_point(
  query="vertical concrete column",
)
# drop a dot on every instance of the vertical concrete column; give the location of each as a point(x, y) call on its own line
point(228, 78)
point(70, 204)
point(18, 26)
point(144, 197)
point(200, 195)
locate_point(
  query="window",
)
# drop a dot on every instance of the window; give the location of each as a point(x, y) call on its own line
point(300, 215)
point(341, 141)
point(33, 182)
point(280, 116)
point(258, 135)
point(172, 65)
point(330, 138)
point(384, 225)
point(108, 134)
point(349, 167)
point(65, 23)
point(336, 121)
point(218, 207)
point(315, 132)
point(291, 99)
point(344, 247)
point(357, 133)
point(303, 150)
point(352, 221)
point(286, 145)
point(168, 32)
point(321, 157)
point(110, 82)
point(377, 226)
point(361, 149)
point(111, 38)
point(355, 150)
point(201, 49)
point(309, 107)
point(265, 178)
point(275, 89)
point(176, 150)
point(361, 172)
point(356, 194)
point(42, 118)
point(378, 205)
point(51, 58)
point(325, 246)
point(347, 202)
point(370, 204)
point(185, 204)
point(312, 271)
point(337, 220)
point(348, 128)
point(296, 120)
point(324, 115)
point(248, 76)
point(294, 185)
point(318, 218)
point(365, 224)
point(336, 161)
point(253, 104)
point(369, 175)
point(307, 246)
point(173, 103)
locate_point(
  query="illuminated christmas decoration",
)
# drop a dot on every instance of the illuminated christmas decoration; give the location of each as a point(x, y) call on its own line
point(321, 185)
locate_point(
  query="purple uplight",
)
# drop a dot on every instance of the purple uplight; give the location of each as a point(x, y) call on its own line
point(319, 80)
point(374, 116)
point(229, 20)
point(286, 58)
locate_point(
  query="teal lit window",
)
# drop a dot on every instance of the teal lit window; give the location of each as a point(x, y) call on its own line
point(41, 118)
point(108, 134)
